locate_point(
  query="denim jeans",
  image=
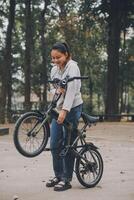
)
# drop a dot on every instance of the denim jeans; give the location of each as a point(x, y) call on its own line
point(63, 166)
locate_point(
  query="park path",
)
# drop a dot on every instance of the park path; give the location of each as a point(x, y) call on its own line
point(24, 178)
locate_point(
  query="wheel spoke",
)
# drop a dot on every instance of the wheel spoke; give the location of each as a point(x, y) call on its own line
point(89, 168)
point(28, 141)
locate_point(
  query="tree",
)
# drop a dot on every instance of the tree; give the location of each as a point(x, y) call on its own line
point(114, 30)
point(90, 28)
point(90, 47)
point(43, 23)
point(115, 14)
point(28, 53)
point(6, 87)
point(118, 12)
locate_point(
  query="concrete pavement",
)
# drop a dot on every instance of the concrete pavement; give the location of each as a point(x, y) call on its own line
point(24, 178)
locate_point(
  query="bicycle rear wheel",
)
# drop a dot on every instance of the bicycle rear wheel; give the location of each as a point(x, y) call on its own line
point(27, 140)
point(89, 167)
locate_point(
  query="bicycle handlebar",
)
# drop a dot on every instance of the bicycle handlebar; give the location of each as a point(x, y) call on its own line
point(67, 79)
point(63, 83)
point(78, 77)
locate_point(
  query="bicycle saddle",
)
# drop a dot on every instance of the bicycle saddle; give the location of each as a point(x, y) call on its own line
point(89, 119)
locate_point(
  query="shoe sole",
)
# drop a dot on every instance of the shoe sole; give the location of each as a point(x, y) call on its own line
point(62, 188)
point(51, 184)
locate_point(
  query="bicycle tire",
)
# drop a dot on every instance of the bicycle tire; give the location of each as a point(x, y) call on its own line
point(89, 173)
point(26, 142)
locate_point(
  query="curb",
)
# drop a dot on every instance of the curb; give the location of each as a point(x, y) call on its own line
point(4, 131)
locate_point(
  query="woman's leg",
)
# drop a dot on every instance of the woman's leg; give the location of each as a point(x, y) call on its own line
point(55, 145)
point(73, 117)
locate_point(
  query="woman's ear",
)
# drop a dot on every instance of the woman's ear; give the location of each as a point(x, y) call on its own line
point(66, 54)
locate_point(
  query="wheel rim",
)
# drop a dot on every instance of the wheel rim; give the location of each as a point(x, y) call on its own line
point(90, 171)
point(29, 141)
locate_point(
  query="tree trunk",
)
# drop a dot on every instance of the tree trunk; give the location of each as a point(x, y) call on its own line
point(6, 89)
point(90, 96)
point(43, 51)
point(112, 100)
point(121, 97)
point(63, 20)
point(28, 46)
point(99, 103)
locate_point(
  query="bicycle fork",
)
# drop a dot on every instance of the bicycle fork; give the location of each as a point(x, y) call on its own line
point(34, 131)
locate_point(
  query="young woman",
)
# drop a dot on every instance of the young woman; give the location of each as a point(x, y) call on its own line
point(70, 107)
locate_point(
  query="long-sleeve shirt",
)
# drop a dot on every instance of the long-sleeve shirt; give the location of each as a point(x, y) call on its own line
point(72, 97)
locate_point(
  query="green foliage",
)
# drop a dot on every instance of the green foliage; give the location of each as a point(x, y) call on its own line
point(83, 24)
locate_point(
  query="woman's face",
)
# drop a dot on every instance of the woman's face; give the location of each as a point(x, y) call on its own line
point(59, 58)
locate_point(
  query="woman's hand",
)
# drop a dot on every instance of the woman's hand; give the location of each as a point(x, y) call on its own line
point(62, 116)
point(60, 90)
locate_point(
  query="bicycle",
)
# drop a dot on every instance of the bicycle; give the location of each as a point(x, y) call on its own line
point(32, 131)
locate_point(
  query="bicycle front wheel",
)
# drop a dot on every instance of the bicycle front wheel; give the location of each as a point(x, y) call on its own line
point(29, 139)
point(89, 167)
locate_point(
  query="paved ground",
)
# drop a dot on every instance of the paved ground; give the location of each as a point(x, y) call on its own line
point(24, 178)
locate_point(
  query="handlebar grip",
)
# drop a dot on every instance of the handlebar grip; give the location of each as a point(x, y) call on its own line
point(84, 77)
point(55, 80)
point(77, 77)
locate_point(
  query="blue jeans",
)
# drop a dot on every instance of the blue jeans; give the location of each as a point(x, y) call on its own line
point(63, 166)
